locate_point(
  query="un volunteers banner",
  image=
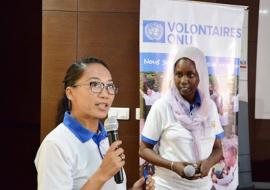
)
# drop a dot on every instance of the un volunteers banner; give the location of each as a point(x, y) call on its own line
point(166, 26)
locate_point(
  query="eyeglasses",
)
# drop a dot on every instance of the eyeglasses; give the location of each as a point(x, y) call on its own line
point(97, 87)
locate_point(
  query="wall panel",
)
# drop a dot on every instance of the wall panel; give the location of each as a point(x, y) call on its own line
point(109, 5)
point(67, 5)
point(59, 35)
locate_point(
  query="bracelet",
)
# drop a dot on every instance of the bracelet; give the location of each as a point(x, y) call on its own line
point(172, 163)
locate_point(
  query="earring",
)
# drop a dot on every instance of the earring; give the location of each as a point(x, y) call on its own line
point(69, 105)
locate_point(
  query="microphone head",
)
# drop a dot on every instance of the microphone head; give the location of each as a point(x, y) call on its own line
point(189, 171)
point(111, 124)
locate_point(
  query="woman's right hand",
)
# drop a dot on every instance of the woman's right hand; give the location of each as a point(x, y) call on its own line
point(178, 167)
point(113, 161)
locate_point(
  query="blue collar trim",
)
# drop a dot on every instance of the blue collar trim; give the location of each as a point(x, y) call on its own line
point(197, 101)
point(81, 132)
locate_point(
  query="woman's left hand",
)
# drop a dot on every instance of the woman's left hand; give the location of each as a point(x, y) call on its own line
point(216, 155)
point(205, 166)
point(140, 184)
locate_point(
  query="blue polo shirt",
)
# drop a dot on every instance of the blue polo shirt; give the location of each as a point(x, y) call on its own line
point(70, 154)
point(82, 133)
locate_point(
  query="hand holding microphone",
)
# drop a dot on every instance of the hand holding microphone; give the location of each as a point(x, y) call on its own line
point(197, 170)
point(191, 170)
point(186, 170)
point(112, 162)
point(111, 126)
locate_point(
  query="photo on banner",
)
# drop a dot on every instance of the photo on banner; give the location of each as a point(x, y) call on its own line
point(166, 27)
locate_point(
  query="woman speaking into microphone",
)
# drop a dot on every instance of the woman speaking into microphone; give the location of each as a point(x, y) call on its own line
point(76, 154)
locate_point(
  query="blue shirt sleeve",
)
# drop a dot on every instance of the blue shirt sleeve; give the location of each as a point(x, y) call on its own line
point(147, 140)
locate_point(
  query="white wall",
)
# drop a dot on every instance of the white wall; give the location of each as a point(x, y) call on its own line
point(262, 95)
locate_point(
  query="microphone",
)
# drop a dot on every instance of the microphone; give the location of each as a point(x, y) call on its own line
point(111, 126)
point(189, 171)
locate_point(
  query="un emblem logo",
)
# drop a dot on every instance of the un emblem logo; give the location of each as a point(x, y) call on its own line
point(153, 31)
